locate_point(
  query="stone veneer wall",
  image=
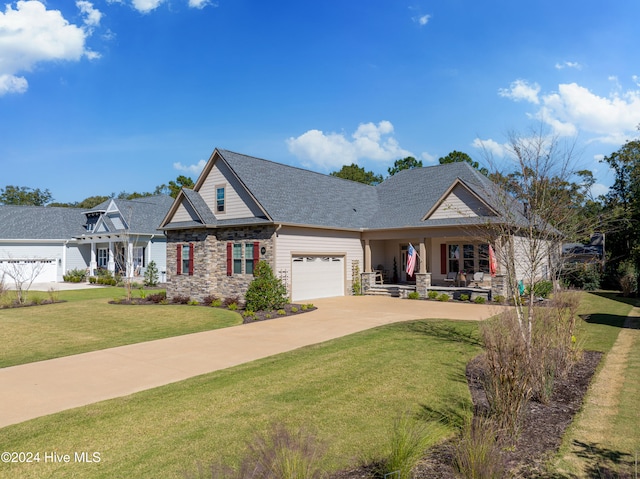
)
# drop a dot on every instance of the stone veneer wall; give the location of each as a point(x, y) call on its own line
point(210, 261)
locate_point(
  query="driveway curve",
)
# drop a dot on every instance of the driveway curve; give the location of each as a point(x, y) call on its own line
point(46, 387)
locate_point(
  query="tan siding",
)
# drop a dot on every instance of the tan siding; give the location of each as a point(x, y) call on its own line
point(238, 204)
point(306, 240)
point(460, 202)
point(184, 213)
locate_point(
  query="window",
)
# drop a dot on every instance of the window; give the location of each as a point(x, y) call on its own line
point(138, 256)
point(248, 258)
point(103, 257)
point(483, 258)
point(242, 257)
point(454, 258)
point(184, 259)
point(475, 257)
point(468, 251)
point(220, 197)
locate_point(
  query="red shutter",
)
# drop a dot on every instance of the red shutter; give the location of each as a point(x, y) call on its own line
point(443, 259)
point(229, 259)
point(256, 253)
point(191, 251)
point(179, 260)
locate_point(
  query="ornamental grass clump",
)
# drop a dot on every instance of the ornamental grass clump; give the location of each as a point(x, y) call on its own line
point(266, 292)
point(478, 453)
point(408, 441)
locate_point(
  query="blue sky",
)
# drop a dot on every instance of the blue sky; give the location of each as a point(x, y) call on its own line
point(101, 96)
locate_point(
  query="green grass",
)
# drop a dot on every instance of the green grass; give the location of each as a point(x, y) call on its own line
point(605, 315)
point(349, 390)
point(87, 322)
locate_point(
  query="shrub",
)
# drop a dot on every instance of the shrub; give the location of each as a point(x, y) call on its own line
point(92, 279)
point(304, 307)
point(408, 442)
point(151, 276)
point(478, 453)
point(310, 306)
point(499, 299)
point(180, 299)
point(480, 300)
point(507, 380)
point(541, 289)
point(265, 291)
point(282, 312)
point(584, 276)
point(628, 278)
point(157, 297)
point(232, 307)
point(464, 297)
point(413, 295)
point(210, 298)
point(248, 314)
point(443, 297)
point(75, 276)
point(216, 303)
point(294, 309)
point(232, 300)
point(193, 302)
point(432, 294)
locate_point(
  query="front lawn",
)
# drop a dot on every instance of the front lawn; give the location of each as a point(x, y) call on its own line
point(87, 322)
point(349, 390)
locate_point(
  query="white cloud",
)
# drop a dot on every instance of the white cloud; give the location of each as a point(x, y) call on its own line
point(32, 34)
point(422, 20)
point(599, 189)
point(370, 141)
point(574, 108)
point(92, 16)
point(195, 169)
point(201, 3)
point(491, 147)
point(521, 90)
point(146, 6)
point(563, 65)
point(428, 158)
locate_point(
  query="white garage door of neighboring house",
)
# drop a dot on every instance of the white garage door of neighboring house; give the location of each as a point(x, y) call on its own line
point(317, 277)
point(46, 270)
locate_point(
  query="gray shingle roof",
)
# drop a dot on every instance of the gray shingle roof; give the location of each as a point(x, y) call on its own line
point(143, 214)
point(201, 207)
point(40, 222)
point(294, 195)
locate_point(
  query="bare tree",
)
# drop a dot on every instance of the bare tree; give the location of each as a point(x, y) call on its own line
point(538, 204)
point(23, 272)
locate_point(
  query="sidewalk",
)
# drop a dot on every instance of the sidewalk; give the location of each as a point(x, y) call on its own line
point(46, 387)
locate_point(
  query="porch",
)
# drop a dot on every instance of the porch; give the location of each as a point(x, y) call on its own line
point(402, 290)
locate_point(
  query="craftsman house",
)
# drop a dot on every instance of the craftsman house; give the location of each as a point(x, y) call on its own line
point(319, 233)
point(121, 236)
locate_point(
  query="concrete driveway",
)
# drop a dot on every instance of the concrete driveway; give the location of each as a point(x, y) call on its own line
point(47, 387)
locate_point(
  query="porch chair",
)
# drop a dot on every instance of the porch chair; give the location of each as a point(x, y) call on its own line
point(478, 277)
point(451, 277)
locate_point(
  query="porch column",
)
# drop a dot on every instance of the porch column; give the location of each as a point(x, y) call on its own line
point(93, 264)
point(367, 257)
point(423, 256)
point(129, 260)
point(111, 266)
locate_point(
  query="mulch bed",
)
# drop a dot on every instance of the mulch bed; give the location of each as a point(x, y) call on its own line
point(541, 435)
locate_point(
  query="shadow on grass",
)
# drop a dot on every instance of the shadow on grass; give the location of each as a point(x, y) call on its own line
point(614, 320)
point(602, 463)
point(447, 332)
point(455, 414)
point(615, 296)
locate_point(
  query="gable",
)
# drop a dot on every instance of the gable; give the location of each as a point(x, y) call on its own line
point(459, 202)
point(185, 212)
point(238, 202)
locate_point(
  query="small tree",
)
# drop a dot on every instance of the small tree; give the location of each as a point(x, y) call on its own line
point(23, 273)
point(266, 292)
point(151, 274)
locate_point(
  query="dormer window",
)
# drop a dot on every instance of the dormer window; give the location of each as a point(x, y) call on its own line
point(220, 199)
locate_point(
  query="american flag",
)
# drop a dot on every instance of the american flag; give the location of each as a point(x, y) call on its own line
point(411, 260)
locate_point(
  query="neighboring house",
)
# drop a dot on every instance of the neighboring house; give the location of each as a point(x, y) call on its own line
point(121, 236)
point(318, 231)
point(575, 254)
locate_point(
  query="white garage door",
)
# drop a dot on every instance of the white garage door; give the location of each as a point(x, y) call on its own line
point(317, 277)
point(40, 270)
